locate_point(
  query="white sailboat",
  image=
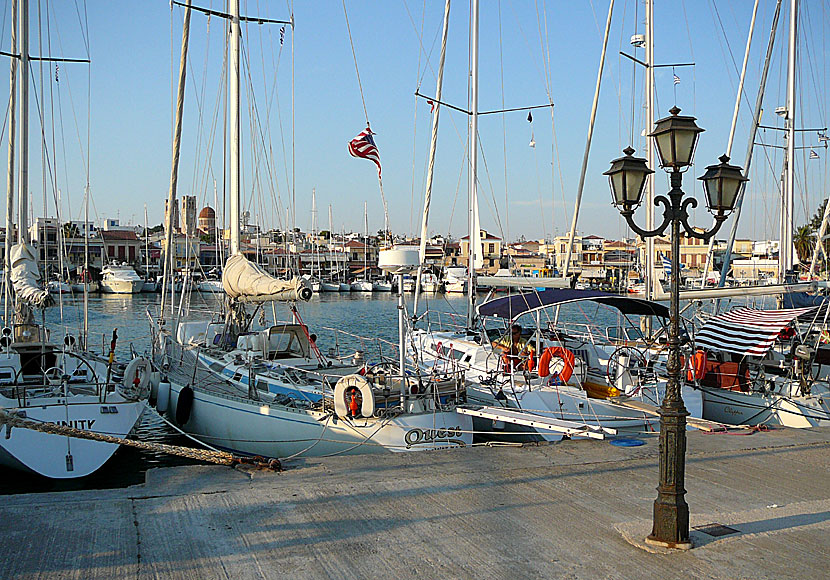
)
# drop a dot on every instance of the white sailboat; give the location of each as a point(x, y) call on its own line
point(376, 412)
point(43, 383)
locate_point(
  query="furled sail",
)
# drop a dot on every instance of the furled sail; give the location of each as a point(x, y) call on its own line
point(247, 282)
point(25, 276)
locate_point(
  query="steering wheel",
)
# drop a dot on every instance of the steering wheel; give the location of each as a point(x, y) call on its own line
point(636, 360)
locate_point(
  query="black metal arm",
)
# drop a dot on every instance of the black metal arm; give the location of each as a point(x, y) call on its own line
point(675, 208)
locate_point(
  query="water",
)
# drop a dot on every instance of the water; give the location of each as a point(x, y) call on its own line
point(373, 315)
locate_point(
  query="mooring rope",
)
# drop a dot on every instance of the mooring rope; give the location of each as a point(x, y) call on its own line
point(219, 457)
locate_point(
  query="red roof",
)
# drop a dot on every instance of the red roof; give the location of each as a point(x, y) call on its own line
point(118, 235)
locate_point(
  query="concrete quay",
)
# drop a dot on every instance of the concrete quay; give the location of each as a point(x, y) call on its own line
point(577, 509)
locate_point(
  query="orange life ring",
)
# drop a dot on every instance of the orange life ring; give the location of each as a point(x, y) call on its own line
point(558, 352)
point(698, 366)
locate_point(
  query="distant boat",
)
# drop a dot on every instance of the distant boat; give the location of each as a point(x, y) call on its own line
point(381, 286)
point(361, 286)
point(78, 287)
point(212, 286)
point(121, 279)
point(58, 287)
point(329, 286)
point(345, 287)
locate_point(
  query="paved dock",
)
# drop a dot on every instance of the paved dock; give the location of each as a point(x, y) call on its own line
point(578, 509)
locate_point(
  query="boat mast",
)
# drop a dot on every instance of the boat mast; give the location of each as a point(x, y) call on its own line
point(785, 250)
point(23, 122)
point(234, 122)
point(174, 172)
point(10, 176)
point(328, 247)
point(365, 239)
point(473, 173)
point(648, 276)
point(756, 120)
point(433, 144)
point(711, 250)
point(566, 267)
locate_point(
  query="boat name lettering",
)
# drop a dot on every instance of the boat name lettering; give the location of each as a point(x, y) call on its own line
point(80, 424)
point(730, 411)
point(419, 436)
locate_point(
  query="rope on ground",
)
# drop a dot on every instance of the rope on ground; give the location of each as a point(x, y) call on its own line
point(217, 457)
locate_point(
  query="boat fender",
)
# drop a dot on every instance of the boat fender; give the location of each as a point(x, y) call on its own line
point(560, 352)
point(163, 396)
point(698, 366)
point(353, 397)
point(184, 405)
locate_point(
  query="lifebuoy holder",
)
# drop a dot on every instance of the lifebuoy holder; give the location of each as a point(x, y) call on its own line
point(557, 352)
point(353, 388)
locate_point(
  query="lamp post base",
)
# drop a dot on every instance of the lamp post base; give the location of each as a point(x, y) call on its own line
point(651, 541)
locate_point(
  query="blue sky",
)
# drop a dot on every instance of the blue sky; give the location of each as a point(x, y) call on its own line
point(135, 46)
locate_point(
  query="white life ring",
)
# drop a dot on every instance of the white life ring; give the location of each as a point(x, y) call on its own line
point(342, 391)
point(137, 377)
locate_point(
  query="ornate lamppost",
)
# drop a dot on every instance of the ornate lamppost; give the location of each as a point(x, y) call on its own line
point(676, 137)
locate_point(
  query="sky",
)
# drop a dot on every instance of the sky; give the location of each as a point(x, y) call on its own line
point(110, 121)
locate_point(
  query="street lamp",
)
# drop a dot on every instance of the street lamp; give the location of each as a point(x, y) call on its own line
point(676, 137)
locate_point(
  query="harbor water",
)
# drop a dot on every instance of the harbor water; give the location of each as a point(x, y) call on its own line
point(371, 315)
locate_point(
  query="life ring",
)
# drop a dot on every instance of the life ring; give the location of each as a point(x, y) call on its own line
point(353, 397)
point(184, 405)
point(697, 368)
point(137, 374)
point(562, 353)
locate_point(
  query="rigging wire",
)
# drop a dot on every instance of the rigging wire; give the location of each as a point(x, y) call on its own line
point(356, 70)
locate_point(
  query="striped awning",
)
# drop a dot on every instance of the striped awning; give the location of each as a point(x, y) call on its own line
point(746, 331)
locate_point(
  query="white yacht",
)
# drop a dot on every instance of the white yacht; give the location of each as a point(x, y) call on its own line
point(120, 279)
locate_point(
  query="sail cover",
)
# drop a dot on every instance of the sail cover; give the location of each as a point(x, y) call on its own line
point(247, 282)
point(746, 331)
point(25, 276)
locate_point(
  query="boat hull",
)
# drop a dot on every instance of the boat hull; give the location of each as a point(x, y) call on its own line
point(257, 428)
point(122, 286)
point(61, 457)
point(740, 408)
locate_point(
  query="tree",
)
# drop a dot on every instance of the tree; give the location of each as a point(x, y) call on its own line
point(70, 230)
point(815, 222)
point(803, 241)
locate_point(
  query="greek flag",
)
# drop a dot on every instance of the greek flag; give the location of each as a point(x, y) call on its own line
point(813, 154)
point(666, 265)
point(676, 79)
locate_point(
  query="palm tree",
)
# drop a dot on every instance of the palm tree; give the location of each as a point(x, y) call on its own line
point(803, 241)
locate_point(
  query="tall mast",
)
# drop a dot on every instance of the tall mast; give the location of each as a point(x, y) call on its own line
point(433, 144)
point(23, 148)
point(235, 128)
point(10, 176)
point(328, 246)
point(785, 251)
point(756, 120)
point(648, 274)
point(473, 173)
point(169, 258)
point(365, 239)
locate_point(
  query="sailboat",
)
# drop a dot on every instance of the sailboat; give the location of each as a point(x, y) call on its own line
point(384, 409)
point(43, 383)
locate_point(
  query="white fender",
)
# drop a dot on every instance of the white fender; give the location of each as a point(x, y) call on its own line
point(138, 367)
point(341, 408)
point(163, 397)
